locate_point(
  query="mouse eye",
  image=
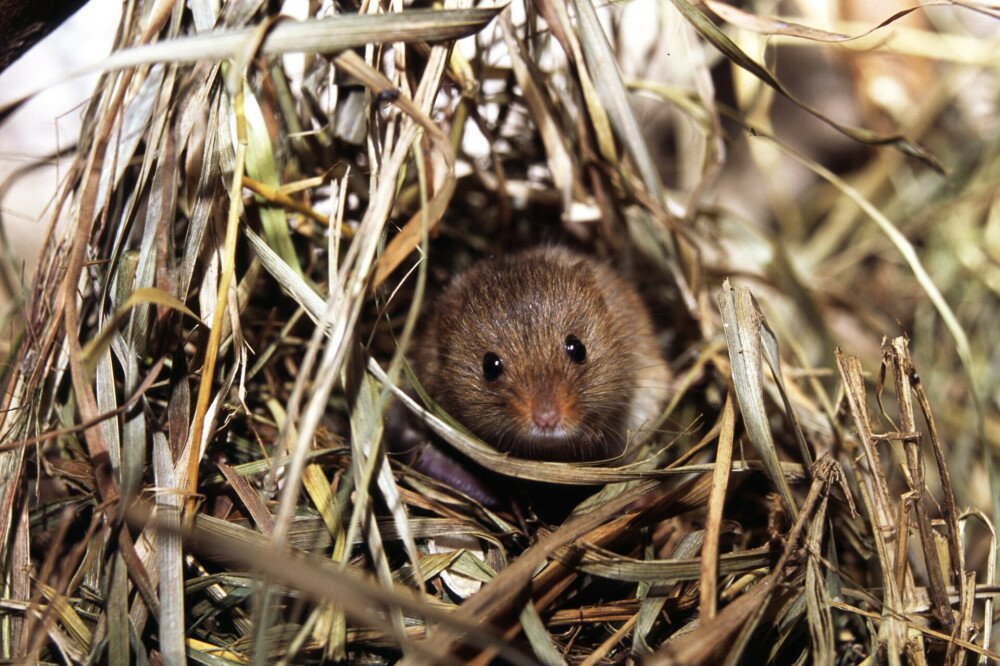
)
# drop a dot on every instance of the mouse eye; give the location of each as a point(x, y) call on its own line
point(492, 366)
point(575, 349)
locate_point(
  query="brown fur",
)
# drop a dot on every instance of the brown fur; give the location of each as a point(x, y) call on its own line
point(522, 307)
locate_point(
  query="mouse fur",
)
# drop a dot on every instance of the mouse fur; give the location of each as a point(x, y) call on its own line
point(527, 309)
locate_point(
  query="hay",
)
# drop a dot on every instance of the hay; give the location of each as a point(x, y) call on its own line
point(195, 406)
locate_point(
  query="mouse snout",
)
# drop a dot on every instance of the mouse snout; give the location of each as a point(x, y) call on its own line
point(546, 412)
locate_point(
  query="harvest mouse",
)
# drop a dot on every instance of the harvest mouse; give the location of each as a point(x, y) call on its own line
point(545, 354)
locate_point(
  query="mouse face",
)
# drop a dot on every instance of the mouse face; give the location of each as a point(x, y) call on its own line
point(529, 354)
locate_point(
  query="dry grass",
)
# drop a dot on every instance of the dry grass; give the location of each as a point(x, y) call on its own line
point(193, 414)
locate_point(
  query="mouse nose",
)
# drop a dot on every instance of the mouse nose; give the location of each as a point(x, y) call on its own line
point(547, 414)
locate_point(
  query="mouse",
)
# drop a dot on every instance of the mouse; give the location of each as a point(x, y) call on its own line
point(546, 354)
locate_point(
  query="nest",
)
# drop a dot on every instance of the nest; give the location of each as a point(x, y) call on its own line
point(196, 405)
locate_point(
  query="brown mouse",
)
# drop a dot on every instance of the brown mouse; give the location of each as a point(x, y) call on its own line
point(545, 354)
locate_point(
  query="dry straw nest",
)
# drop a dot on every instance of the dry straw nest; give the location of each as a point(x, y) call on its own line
point(195, 403)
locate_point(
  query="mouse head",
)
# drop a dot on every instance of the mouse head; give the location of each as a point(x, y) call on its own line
point(529, 355)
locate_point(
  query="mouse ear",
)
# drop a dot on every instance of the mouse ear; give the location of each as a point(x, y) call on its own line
point(583, 269)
